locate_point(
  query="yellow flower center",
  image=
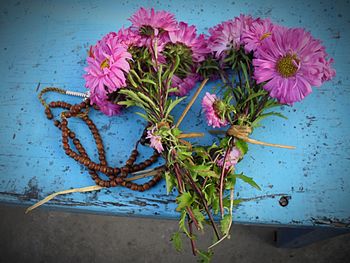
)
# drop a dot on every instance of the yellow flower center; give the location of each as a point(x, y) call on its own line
point(104, 63)
point(266, 35)
point(287, 66)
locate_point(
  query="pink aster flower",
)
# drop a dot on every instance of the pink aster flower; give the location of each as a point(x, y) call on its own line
point(208, 104)
point(231, 159)
point(156, 140)
point(227, 35)
point(107, 65)
point(187, 36)
point(110, 108)
point(184, 85)
point(291, 61)
point(107, 107)
point(328, 71)
point(128, 37)
point(253, 35)
point(156, 20)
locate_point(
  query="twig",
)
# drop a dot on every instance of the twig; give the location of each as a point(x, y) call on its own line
point(179, 182)
point(190, 135)
point(227, 235)
point(193, 243)
point(221, 186)
point(151, 173)
point(148, 170)
point(214, 132)
point(75, 190)
point(189, 105)
point(199, 192)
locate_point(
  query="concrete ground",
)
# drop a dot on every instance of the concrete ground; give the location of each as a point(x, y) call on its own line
point(55, 236)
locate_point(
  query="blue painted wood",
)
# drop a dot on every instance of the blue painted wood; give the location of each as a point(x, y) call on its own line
point(46, 42)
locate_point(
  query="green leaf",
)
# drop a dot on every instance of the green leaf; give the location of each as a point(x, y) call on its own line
point(149, 81)
point(230, 182)
point(254, 95)
point(244, 69)
point(174, 89)
point(183, 155)
point(133, 83)
point(127, 103)
point(145, 98)
point(169, 181)
point(175, 131)
point(224, 142)
point(172, 105)
point(208, 174)
point(199, 216)
point(236, 202)
point(225, 224)
point(265, 115)
point(242, 146)
point(182, 223)
point(177, 242)
point(184, 200)
point(227, 202)
point(142, 115)
point(210, 193)
point(248, 180)
point(205, 257)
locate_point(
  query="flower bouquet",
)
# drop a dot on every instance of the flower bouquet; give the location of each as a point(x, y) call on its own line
point(152, 65)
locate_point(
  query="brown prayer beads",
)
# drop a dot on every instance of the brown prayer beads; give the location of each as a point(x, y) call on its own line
point(116, 176)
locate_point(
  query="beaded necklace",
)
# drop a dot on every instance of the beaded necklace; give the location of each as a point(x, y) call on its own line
point(116, 175)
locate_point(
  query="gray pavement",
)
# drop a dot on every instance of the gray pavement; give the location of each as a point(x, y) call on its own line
point(56, 236)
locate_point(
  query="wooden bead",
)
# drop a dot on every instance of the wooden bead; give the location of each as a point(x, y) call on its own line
point(118, 180)
point(103, 169)
point(125, 169)
point(56, 123)
point(97, 180)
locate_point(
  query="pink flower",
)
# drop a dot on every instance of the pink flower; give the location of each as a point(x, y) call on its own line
point(156, 140)
point(227, 35)
point(184, 85)
point(128, 37)
point(328, 72)
point(231, 159)
point(187, 36)
point(110, 108)
point(291, 61)
point(253, 35)
point(208, 104)
point(154, 20)
point(107, 107)
point(107, 65)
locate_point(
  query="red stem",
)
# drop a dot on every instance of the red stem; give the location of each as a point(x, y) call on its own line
point(199, 192)
point(179, 182)
point(193, 243)
point(222, 176)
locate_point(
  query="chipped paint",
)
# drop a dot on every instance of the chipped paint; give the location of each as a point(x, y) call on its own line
point(33, 164)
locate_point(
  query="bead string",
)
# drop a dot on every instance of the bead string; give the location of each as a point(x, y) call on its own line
point(116, 176)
